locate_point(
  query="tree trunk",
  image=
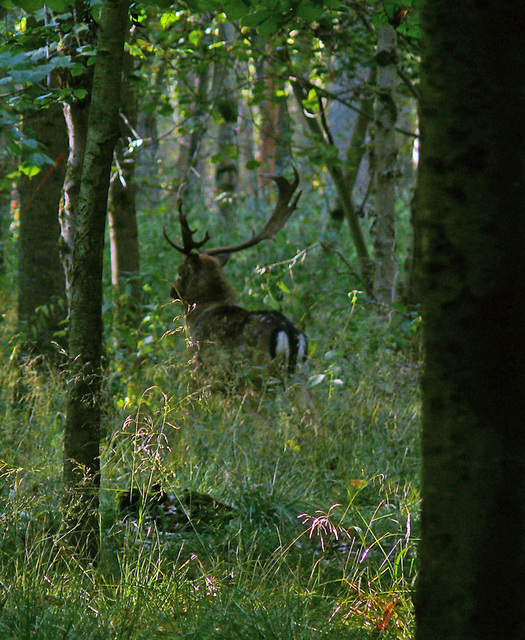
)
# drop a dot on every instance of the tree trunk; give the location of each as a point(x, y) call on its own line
point(385, 153)
point(188, 169)
point(122, 210)
point(245, 139)
point(356, 150)
point(226, 102)
point(471, 230)
point(344, 194)
point(124, 242)
point(269, 124)
point(275, 127)
point(76, 114)
point(40, 273)
point(81, 472)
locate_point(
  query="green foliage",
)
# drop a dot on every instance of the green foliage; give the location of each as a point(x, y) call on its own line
point(31, 58)
point(315, 521)
point(268, 17)
point(320, 522)
point(33, 6)
point(404, 17)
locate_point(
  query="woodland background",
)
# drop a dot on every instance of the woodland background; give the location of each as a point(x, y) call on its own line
point(279, 524)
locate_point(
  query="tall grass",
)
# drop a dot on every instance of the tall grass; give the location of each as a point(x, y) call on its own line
point(313, 525)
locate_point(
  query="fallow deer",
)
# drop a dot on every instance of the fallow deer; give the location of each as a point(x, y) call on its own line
point(221, 333)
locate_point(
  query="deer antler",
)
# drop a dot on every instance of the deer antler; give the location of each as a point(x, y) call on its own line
point(280, 216)
point(188, 243)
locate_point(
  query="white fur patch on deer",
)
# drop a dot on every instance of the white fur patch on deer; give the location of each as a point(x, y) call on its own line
point(282, 346)
point(302, 350)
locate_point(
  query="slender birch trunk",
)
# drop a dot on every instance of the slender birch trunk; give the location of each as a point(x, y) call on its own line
point(81, 471)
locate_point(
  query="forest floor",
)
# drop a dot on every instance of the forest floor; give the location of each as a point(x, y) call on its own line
point(284, 515)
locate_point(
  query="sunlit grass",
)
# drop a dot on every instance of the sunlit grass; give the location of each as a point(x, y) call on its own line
point(321, 512)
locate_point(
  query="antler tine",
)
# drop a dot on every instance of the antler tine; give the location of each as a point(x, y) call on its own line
point(280, 216)
point(170, 241)
point(188, 243)
point(286, 188)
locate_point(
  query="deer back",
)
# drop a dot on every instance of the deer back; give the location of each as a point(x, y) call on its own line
point(233, 336)
point(219, 330)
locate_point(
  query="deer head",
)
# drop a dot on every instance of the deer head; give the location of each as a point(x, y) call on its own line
point(209, 302)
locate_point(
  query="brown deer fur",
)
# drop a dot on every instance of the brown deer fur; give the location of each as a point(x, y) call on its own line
point(219, 331)
point(218, 328)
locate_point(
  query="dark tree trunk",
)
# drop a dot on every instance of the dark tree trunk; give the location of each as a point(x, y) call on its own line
point(471, 230)
point(356, 148)
point(188, 169)
point(225, 95)
point(146, 169)
point(122, 210)
point(275, 127)
point(81, 473)
point(40, 273)
point(385, 155)
point(76, 116)
point(355, 152)
point(124, 239)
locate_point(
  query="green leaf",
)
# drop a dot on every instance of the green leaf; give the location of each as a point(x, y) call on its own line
point(256, 18)
point(236, 9)
point(311, 103)
point(38, 159)
point(315, 380)
point(158, 4)
point(168, 18)
point(195, 37)
point(232, 152)
point(58, 5)
point(253, 164)
point(31, 6)
point(283, 287)
point(29, 143)
point(80, 94)
point(270, 26)
point(309, 12)
point(29, 170)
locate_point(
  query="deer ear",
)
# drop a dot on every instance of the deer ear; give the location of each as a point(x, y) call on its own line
point(223, 258)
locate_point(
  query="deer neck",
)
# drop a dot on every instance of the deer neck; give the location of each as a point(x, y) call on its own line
point(194, 310)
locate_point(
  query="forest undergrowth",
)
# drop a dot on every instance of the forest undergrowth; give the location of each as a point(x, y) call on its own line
point(224, 514)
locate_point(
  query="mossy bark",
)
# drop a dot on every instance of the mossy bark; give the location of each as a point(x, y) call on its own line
point(122, 214)
point(385, 155)
point(41, 287)
point(81, 472)
point(76, 115)
point(471, 229)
